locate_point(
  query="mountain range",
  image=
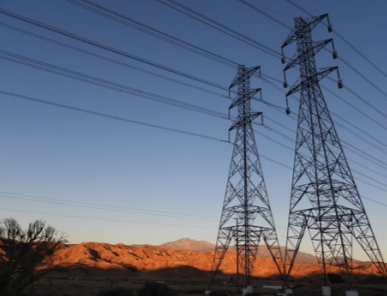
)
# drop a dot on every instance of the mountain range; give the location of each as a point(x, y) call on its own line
point(181, 259)
point(187, 244)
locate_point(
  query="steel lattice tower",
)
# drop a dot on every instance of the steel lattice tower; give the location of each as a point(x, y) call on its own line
point(324, 197)
point(246, 213)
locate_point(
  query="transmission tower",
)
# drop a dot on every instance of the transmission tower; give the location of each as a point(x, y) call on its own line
point(246, 213)
point(324, 197)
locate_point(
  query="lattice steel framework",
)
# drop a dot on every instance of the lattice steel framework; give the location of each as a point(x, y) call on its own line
point(324, 197)
point(246, 213)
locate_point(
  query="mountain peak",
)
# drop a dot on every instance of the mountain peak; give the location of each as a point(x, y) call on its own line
point(188, 244)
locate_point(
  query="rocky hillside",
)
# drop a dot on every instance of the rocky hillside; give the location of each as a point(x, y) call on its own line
point(138, 260)
point(187, 244)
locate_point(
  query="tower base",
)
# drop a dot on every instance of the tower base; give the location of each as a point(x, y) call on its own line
point(247, 290)
point(326, 291)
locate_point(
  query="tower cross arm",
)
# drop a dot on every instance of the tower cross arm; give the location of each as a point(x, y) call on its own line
point(323, 72)
point(297, 31)
point(250, 95)
point(248, 119)
point(240, 78)
point(297, 59)
point(295, 88)
point(320, 45)
point(254, 91)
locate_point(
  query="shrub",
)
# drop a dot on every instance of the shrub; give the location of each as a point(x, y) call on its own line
point(22, 252)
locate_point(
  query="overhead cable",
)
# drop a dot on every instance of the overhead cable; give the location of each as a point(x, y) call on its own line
point(218, 26)
point(127, 21)
point(107, 48)
point(73, 108)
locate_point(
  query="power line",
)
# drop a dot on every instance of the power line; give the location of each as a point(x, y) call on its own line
point(273, 19)
point(275, 161)
point(93, 80)
point(72, 108)
point(111, 49)
point(261, 76)
point(375, 201)
point(365, 155)
point(268, 159)
point(220, 27)
point(108, 48)
point(113, 60)
point(348, 146)
point(352, 106)
point(106, 207)
point(371, 170)
point(253, 7)
point(105, 83)
point(136, 68)
point(372, 179)
point(361, 54)
point(365, 102)
point(359, 111)
point(137, 25)
point(82, 110)
point(114, 86)
point(115, 16)
point(100, 205)
point(97, 81)
point(360, 137)
point(278, 133)
point(137, 122)
point(103, 219)
point(351, 148)
point(347, 122)
point(274, 141)
point(196, 106)
point(350, 124)
point(369, 82)
point(157, 33)
point(62, 44)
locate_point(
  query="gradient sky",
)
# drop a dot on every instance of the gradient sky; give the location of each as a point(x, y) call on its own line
point(100, 179)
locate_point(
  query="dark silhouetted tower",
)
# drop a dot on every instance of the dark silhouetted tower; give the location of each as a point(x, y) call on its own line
point(246, 213)
point(324, 197)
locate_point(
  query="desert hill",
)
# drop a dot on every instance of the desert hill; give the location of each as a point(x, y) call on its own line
point(164, 263)
point(187, 244)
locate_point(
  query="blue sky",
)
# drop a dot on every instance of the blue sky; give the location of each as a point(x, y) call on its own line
point(100, 179)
